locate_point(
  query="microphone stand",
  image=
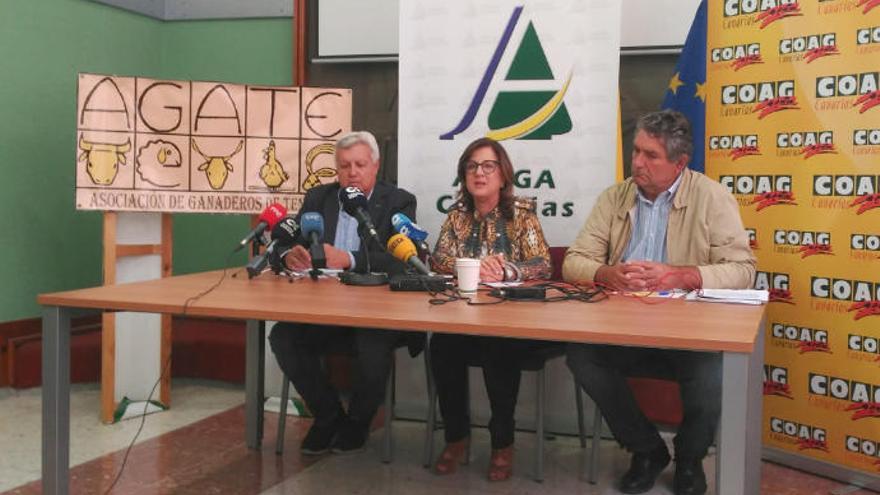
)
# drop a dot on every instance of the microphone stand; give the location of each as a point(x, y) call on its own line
point(257, 263)
point(319, 260)
point(369, 278)
point(425, 256)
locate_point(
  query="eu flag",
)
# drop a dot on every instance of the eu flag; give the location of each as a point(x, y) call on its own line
point(687, 88)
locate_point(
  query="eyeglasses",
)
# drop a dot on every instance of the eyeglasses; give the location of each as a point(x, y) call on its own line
point(488, 166)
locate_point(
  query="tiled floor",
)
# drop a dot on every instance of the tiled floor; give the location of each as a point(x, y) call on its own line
point(20, 423)
point(202, 451)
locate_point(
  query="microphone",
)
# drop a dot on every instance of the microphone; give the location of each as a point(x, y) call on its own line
point(283, 237)
point(403, 225)
point(355, 204)
point(284, 232)
point(268, 218)
point(313, 230)
point(403, 249)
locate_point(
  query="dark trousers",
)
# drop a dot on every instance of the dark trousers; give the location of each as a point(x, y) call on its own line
point(602, 370)
point(299, 349)
point(500, 359)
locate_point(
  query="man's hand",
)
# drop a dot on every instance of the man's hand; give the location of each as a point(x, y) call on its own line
point(653, 275)
point(650, 275)
point(336, 258)
point(624, 276)
point(492, 268)
point(298, 259)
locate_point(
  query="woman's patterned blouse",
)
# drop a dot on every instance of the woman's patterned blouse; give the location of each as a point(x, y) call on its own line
point(520, 239)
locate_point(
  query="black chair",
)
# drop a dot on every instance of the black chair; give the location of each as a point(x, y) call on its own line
point(535, 363)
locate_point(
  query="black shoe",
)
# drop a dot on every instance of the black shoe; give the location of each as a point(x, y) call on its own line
point(352, 438)
point(644, 469)
point(320, 437)
point(689, 477)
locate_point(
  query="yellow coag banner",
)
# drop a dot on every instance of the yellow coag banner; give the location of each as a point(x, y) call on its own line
point(195, 146)
point(793, 131)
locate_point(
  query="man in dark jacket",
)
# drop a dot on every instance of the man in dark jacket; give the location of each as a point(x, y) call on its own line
point(299, 348)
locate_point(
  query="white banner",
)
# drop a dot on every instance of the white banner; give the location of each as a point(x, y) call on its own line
point(541, 77)
point(203, 147)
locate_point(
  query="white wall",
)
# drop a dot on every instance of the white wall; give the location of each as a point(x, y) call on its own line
point(369, 29)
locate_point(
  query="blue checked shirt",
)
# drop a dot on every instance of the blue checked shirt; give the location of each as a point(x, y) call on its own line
point(648, 241)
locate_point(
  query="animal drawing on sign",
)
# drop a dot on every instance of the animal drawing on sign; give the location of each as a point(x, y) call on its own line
point(272, 172)
point(314, 177)
point(102, 159)
point(216, 168)
point(156, 160)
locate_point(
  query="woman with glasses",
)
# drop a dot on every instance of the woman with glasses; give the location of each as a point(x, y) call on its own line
point(488, 223)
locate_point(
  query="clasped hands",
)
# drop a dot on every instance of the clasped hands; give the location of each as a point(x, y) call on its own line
point(647, 275)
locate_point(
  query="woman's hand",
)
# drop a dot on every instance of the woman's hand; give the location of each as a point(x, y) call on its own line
point(492, 268)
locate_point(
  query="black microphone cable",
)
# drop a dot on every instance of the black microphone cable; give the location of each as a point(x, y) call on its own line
point(568, 292)
point(575, 292)
point(444, 296)
point(165, 369)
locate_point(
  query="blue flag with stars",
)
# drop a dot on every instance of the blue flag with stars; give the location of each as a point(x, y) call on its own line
point(687, 88)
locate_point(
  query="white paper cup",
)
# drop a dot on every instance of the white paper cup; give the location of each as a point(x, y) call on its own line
point(468, 272)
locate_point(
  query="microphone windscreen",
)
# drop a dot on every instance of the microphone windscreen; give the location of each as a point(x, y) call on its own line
point(405, 226)
point(285, 231)
point(398, 220)
point(273, 214)
point(401, 247)
point(414, 232)
point(312, 221)
point(352, 199)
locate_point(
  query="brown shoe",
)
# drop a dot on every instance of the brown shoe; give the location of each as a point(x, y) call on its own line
point(454, 454)
point(501, 464)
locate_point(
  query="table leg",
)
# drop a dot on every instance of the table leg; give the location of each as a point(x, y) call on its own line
point(56, 400)
point(428, 455)
point(253, 382)
point(738, 463)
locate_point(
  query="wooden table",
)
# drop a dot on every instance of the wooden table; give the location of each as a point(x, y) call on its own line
point(735, 331)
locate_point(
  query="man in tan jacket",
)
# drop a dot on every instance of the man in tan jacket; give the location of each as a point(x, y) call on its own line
point(665, 227)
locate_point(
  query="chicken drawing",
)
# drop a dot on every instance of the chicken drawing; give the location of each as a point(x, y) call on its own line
point(272, 172)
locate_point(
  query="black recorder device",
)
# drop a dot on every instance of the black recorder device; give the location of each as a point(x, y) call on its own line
point(427, 283)
point(535, 293)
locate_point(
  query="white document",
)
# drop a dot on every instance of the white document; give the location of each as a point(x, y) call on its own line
point(501, 285)
point(735, 296)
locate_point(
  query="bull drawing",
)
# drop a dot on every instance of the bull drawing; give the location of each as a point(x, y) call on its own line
point(102, 159)
point(314, 177)
point(216, 168)
point(154, 161)
point(272, 172)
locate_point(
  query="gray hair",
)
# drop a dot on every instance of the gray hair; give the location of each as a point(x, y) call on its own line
point(673, 128)
point(359, 137)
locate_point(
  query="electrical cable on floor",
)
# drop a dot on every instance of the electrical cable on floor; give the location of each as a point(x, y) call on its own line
point(165, 369)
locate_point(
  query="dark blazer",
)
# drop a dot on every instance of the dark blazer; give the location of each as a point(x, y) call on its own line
point(385, 201)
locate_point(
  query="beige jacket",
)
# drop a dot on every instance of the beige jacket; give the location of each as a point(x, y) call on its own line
point(704, 230)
